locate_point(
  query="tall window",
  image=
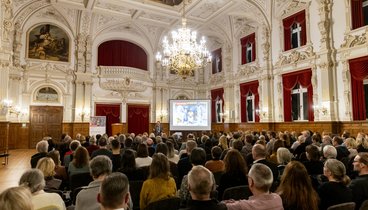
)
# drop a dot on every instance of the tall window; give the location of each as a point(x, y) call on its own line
point(219, 113)
point(295, 34)
point(359, 13)
point(365, 84)
point(299, 103)
point(217, 105)
point(216, 61)
point(250, 107)
point(248, 46)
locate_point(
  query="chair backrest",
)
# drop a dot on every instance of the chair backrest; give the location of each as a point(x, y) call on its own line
point(218, 176)
point(343, 206)
point(135, 191)
point(74, 193)
point(80, 180)
point(172, 203)
point(237, 193)
point(364, 205)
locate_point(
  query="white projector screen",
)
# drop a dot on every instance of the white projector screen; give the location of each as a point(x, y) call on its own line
point(190, 115)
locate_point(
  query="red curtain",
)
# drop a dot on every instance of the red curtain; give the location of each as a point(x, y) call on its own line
point(357, 13)
point(214, 94)
point(122, 53)
point(358, 72)
point(112, 113)
point(216, 67)
point(288, 22)
point(244, 41)
point(245, 88)
point(289, 81)
point(138, 118)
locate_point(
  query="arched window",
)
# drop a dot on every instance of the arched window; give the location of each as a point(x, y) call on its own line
point(295, 33)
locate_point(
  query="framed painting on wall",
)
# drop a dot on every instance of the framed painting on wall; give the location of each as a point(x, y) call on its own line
point(48, 42)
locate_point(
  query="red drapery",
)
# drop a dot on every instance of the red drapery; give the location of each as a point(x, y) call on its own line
point(138, 118)
point(216, 66)
point(289, 81)
point(112, 113)
point(357, 13)
point(214, 94)
point(288, 22)
point(243, 41)
point(122, 53)
point(245, 88)
point(358, 72)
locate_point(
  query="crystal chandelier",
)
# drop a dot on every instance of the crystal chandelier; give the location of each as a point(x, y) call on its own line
point(184, 55)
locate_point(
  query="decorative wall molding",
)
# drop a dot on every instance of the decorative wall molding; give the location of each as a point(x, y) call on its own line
point(355, 40)
point(295, 56)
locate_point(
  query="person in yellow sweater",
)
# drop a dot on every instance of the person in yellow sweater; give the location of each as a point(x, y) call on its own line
point(160, 184)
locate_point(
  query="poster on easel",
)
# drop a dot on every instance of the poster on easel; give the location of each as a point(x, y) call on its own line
point(97, 125)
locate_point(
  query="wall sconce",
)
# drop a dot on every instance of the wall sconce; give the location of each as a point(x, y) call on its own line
point(83, 112)
point(223, 115)
point(6, 107)
point(162, 114)
point(262, 112)
point(322, 109)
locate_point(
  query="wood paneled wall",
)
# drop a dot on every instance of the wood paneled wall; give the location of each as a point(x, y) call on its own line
point(72, 129)
point(19, 135)
point(4, 136)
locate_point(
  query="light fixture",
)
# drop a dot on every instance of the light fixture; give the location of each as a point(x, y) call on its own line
point(184, 55)
point(83, 112)
point(6, 107)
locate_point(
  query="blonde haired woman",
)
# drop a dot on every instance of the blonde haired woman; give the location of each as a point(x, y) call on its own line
point(350, 143)
point(16, 198)
point(223, 143)
point(47, 166)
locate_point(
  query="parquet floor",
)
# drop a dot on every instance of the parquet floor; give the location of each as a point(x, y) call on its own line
point(19, 161)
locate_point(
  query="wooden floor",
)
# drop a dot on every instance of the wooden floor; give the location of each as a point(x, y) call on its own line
point(19, 161)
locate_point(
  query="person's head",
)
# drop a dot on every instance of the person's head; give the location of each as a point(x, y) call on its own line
point(55, 156)
point(283, 155)
point(74, 145)
point(160, 167)
point(162, 148)
point(190, 146)
point(312, 153)
point(216, 153)
point(198, 156)
point(128, 160)
point(142, 150)
point(200, 183)
point(81, 157)
point(171, 149)
point(329, 152)
point(42, 146)
point(47, 166)
point(235, 163)
point(114, 192)
point(115, 144)
point(277, 145)
point(16, 198)
point(102, 142)
point(100, 166)
point(296, 179)
point(336, 141)
point(335, 170)
point(350, 143)
point(259, 152)
point(361, 163)
point(32, 179)
point(238, 145)
point(260, 178)
point(223, 142)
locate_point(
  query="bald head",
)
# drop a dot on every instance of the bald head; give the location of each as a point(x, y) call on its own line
point(259, 152)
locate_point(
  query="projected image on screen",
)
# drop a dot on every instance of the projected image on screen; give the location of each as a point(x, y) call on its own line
point(190, 115)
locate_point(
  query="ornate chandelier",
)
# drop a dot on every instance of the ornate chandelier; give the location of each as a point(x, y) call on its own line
point(184, 55)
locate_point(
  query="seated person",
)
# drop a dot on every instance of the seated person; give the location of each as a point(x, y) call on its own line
point(41, 147)
point(114, 192)
point(260, 180)
point(16, 198)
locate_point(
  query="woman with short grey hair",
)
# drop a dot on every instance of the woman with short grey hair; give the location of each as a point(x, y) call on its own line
point(34, 180)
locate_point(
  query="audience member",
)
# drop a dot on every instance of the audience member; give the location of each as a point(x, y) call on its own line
point(296, 179)
point(16, 198)
point(69, 155)
point(60, 171)
point(335, 191)
point(200, 185)
point(342, 151)
point(102, 143)
point(259, 156)
point(100, 167)
point(215, 165)
point(34, 180)
point(351, 146)
point(142, 159)
point(283, 156)
point(329, 152)
point(41, 147)
point(114, 192)
point(171, 152)
point(313, 164)
point(260, 180)
point(359, 185)
point(47, 166)
point(129, 167)
point(92, 145)
point(80, 162)
point(116, 155)
point(276, 145)
point(235, 172)
point(159, 185)
point(184, 164)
